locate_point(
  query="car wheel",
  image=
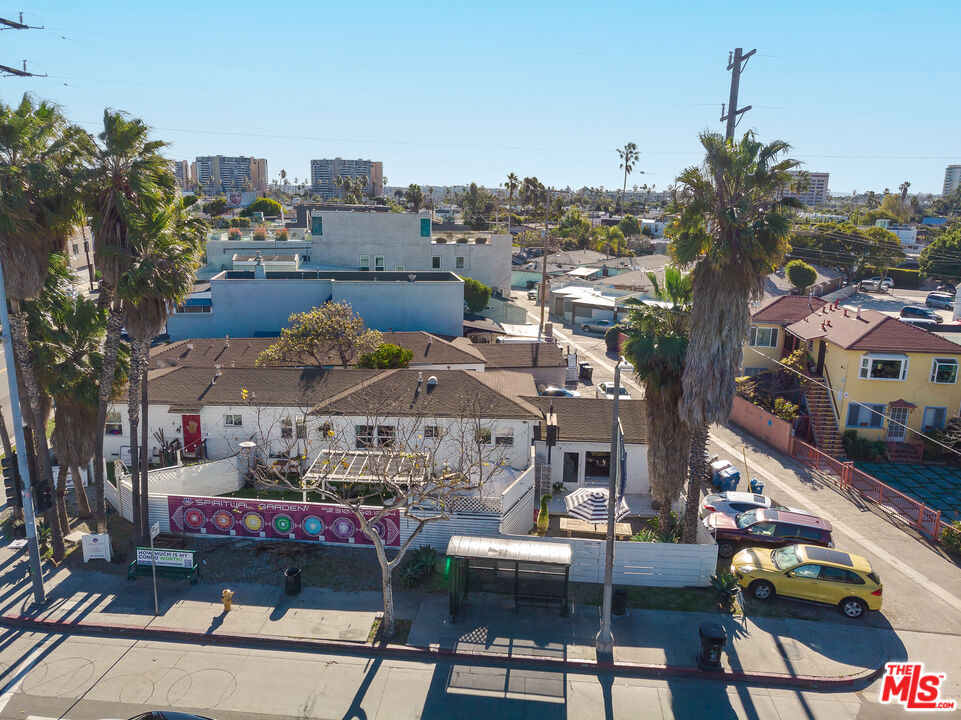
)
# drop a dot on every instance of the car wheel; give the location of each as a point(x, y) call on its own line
point(762, 590)
point(726, 549)
point(853, 607)
point(586, 328)
point(929, 304)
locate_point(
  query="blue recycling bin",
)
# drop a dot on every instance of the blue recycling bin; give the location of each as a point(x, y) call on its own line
point(756, 486)
point(728, 478)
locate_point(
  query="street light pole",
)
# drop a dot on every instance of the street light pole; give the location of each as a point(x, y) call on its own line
point(605, 639)
point(29, 516)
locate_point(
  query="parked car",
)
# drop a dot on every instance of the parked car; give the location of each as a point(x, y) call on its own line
point(920, 313)
point(732, 502)
point(606, 390)
point(922, 323)
point(872, 286)
point(766, 528)
point(883, 281)
point(532, 294)
point(946, 287)
point(809, 572)
point(597, 326)
point(942, 300)
point(559, 392)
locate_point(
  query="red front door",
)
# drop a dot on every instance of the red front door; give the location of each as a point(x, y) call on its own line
point(192, 434)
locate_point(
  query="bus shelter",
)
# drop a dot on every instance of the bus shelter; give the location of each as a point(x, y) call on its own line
point(535, 573)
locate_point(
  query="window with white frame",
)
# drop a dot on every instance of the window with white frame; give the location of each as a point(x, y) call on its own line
point(379, 263)
point(944, 371)
point(233, 420)
point(365, 262)
point(865, 415)
point(301, 429)
point(370, 436)
point(763, 337)
point(483, 436)
point(114, 424)
point(398, 268)
point(363, 436)
point(876, 366)
point(934, 418)
point(459, 262)
point(504, 437)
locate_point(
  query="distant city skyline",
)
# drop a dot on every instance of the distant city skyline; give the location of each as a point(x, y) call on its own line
point(459, 94)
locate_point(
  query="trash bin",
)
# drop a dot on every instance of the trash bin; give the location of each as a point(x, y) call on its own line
point(619, 603)
point(586, 372)
point(756, 486)
point(713, 639)
point(292, 581)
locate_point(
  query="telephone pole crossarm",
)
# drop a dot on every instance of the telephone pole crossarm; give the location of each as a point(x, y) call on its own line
point(736, 63)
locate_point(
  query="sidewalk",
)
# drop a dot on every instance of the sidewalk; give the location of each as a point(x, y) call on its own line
point(490, 631)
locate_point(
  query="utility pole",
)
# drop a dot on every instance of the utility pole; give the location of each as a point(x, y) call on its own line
point(543, 288)
point(29, 516)
point(5, 70)
point(736, 63)
point(605, 638)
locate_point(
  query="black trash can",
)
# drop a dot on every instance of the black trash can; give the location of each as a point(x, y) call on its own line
point(292, 581)
point(713, 640)
point(619, 603)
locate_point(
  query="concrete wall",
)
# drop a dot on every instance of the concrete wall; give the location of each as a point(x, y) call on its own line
point(246, 307)
point(637, 482)
point(762, 424)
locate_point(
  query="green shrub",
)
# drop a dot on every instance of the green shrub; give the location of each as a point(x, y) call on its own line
point(904, 278)
point(476, 294)
point(387, 356)
point(726, 586)
point(268, 206)
point(951, 538)
point(611, 337)
point(857, 447)
point(785, 409)
point(646, 535)
point(419, 567)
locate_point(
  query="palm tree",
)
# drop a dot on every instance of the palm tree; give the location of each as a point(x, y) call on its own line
point(733, 228)
point(609, 240)
point(166, 253)
point(40, 156)
point(629, 155)
point(512, 184)
point(656, 345)
point(129, 179)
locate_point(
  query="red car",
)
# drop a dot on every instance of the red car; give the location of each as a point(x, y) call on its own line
point(766, 528)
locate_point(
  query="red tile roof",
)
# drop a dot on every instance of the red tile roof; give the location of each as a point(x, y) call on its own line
point(869, 331)
point(786, 309)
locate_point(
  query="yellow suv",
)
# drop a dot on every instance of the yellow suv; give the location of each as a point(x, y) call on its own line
point(809, 572)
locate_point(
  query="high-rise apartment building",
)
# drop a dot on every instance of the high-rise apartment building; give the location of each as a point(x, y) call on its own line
point(323, 174)
point(952, 179)
point(816, 193)
point(182, 173)
point(222, 174)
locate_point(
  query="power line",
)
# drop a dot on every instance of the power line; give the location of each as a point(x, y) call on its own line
point(736, 63)
point(6, 70)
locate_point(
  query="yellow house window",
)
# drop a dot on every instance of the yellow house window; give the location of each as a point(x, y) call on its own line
point(883, 367)
point(763, 337)
point(944, 371)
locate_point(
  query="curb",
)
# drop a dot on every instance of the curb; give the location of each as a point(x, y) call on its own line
point(419, 654)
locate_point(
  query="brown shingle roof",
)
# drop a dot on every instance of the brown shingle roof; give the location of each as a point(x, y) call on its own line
point(457, 392)
point(871, 331)
point(522, 355)
point(589, 419)
point(786, 309)
point(243, 352)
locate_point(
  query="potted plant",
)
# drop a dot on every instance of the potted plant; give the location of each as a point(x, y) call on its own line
point(282, 234)
point(543, 518)
point(260, 234)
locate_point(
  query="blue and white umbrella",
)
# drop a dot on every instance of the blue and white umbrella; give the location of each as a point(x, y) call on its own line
point(590, 504)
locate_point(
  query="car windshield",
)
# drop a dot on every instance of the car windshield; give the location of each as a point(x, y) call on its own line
point(746, 518)
point(785, 558)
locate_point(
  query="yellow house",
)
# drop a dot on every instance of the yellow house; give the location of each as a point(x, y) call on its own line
point(768, 340)
point(887, 379)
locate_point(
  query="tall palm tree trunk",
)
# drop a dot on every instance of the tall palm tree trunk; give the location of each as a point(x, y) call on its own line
point(696, 479)
point(80, 493)
point(133, 416)
point(668, 448)
point(34, 418)
point(62, 499)
point(111, 344)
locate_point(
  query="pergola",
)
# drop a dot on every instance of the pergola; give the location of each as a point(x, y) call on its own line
point(535, 572)
point(367, 466)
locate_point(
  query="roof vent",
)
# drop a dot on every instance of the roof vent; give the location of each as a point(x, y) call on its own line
point(190, 346)
point(859, 312)
point(226, 340)
point(432, 381)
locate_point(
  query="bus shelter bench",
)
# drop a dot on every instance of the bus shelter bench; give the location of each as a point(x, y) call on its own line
point(135, 569)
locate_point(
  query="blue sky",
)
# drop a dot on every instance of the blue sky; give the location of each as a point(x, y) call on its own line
point(449, 95)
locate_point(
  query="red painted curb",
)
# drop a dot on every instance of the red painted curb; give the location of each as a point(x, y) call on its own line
point(405, 652)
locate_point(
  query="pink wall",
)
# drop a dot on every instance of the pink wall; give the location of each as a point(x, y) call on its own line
point(762, 424)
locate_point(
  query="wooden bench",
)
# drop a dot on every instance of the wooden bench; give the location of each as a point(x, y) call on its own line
point(135, 569)
point(572, 525)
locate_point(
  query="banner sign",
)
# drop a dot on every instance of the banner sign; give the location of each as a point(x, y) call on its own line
point(277, 520)
point(165, 558)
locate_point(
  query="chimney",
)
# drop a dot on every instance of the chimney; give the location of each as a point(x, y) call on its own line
point(226, 340)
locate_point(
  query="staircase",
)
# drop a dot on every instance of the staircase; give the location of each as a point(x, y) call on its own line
point(823, 422)
point(905, 452)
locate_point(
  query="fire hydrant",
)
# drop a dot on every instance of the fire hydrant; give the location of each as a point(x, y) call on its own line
point(227, 596)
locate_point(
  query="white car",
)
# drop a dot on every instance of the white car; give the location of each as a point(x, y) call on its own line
point(883, 281)
point(605, 390)
point(732, 502)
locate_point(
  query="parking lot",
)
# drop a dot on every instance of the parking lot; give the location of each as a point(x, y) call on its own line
point(891, 302)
